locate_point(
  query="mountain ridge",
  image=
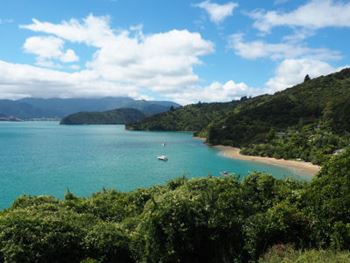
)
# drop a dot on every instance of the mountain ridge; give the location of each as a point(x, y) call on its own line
point(30, 108)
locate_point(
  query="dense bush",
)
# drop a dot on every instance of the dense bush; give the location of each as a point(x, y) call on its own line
point(287, 254)
point(214, 219)
point(313, 143)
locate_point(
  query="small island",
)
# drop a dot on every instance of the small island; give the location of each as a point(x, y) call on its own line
point(117, 116)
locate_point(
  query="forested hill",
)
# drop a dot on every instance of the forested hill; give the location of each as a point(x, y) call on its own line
point(308, 121)
point(118, 116)
point(193, 117)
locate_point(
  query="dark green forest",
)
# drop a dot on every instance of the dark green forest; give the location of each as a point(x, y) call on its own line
point(310, 121)
point(193, 118)
point(117, 116)
point(212, 219)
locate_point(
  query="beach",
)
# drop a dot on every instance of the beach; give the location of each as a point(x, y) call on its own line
point(303, 167)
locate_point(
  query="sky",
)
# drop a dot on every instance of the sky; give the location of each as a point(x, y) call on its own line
point(184, 50)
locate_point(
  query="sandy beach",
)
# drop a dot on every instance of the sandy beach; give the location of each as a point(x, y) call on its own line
point(304, 167)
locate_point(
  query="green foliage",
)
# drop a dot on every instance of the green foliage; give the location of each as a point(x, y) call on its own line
point(41, 234)
point(107, 242)
point(195, 118)
point(118, 116)
point(213, 219)
point(287, 254)
point(328, 201)
point(311, 143)
point(189, 224)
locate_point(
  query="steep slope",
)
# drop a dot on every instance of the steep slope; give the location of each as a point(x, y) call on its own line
point(324, 98)
point(118, 116)
point(195, 117)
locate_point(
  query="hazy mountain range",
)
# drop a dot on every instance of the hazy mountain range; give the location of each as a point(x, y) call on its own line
point(30, 108)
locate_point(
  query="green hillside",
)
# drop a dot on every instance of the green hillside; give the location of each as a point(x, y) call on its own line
point(309, 121)
point(193, 117)
point(118, 116)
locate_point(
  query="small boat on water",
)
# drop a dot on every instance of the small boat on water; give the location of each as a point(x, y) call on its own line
point(163, 144)
point(162, 158)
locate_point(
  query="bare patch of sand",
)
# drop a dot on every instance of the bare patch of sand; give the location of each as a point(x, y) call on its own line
point(304, 167)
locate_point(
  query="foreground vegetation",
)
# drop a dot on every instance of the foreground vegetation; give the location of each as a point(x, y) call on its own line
point(309, 121)
point(287, 254)
point(210, 219)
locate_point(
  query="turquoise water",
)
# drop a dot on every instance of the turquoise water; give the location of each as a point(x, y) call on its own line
point(46, 158)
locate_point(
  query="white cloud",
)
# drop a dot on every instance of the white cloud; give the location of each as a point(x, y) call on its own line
point(19, 80)
point(93, 31)
point(47, 49)
point(293, 71)
point(218, 13)
point(69, 56)
point(215, 92)
point(313, 15)
point(289, 49)
point(126, 62)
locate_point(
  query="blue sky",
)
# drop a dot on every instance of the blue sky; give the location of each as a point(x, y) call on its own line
point(181, 50)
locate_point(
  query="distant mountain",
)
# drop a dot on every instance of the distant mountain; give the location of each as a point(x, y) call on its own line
point(309, 121)
point(117, 116)
point(29, 108)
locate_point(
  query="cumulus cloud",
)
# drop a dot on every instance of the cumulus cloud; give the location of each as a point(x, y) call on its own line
point(218, 13)
point(315, 14)
point(215, 92)
point(293, 71)
point(126, 62)
point(48, 48)
point(93, 30)
point(19, 80)
point(289, 49)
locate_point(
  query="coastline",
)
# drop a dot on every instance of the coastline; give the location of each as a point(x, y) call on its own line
point(304, 167)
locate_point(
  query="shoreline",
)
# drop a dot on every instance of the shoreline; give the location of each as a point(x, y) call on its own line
point(306, 168)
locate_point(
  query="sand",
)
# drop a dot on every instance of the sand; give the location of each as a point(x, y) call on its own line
point(304, 167)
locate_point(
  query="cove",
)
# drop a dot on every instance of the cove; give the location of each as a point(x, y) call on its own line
point(38, 158)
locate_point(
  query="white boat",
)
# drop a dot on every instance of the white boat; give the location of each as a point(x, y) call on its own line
point(162, 158)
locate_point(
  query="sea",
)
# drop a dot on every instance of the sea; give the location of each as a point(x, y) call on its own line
point(45, 158)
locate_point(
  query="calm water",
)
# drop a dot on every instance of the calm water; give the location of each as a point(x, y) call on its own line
point(46, 158)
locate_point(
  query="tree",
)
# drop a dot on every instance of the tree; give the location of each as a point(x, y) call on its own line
point(307, 78)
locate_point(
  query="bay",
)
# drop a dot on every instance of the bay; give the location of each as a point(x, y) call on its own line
point(38, 158)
